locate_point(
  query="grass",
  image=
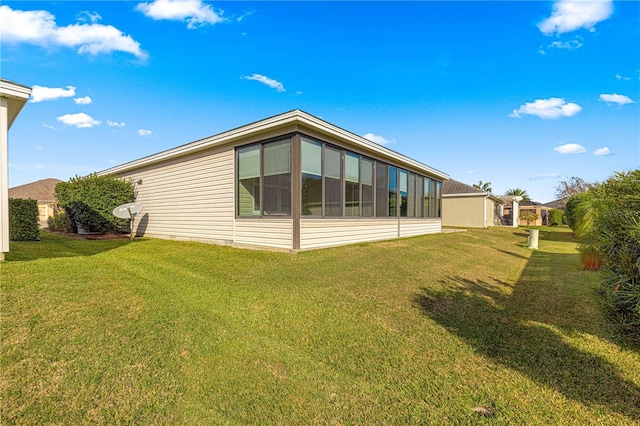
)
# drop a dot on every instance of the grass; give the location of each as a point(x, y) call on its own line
point(410, 331)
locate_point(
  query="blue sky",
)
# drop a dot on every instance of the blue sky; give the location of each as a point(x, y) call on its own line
point(521, 94)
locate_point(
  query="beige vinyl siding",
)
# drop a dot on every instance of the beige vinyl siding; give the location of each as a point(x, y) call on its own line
point(188, 198)
point(413, 227)
point(265, 232)
point(463, 211)
point(316, 233)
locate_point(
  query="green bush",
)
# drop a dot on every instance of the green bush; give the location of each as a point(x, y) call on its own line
point(615, 229)
point(60, 223)
point(23, 219)
point(556, 217)
point(573, 212)
point(89, 201)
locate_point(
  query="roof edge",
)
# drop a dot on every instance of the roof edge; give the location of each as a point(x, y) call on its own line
point(292, 117)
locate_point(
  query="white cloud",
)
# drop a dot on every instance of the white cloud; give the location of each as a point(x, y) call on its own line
point(86, 100)
point(380, 140)
point(574, 44)
point(614, 98)
point(145, 133)
point(621, 77)
point(266, 80)
point(570, 148)
point(551, 108)
point(571, 15)
point(115, 123)
point(602, 152)
point(545, 176)
point(41, 93)
point(194, 12)
point(87, 16)
point(39, 27)
point(80, 120)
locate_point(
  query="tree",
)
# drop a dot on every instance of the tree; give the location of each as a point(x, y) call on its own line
point(485, 186)
point(574, 186)
point(528, 215)
point(518, 192)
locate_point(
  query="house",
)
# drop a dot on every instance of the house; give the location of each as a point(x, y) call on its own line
point(466, 206)
point(557, 204)
point(43, 191)
point(290, 182)
point(511, 209)
point(539, 211)
point(13, 97)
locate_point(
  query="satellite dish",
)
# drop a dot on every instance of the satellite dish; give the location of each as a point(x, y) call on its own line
point(128, 211)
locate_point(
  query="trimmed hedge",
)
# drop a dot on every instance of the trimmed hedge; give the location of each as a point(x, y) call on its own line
point(23, 219)
point(615, 230)
point(89, 201)
point(60, 223)
point(556, 217)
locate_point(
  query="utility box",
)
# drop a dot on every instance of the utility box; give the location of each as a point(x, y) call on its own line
point(533, 238)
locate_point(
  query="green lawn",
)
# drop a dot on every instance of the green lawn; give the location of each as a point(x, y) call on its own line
point(412, 331)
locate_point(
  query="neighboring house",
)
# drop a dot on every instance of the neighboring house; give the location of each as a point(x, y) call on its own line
point(511, 209)
point(467, 206)
point(43, 191)
point(557, 204)
point(13, 97)
point(541, 211)
point(292, 182)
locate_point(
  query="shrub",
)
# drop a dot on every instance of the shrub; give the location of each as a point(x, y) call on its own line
point(615, 229)
point(60, 223)
point(89, 201)
point(23, 219)
point(573, 213)
point(556, 217)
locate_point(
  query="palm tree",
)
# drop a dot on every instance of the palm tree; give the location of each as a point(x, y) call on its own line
point(519, 192)
point(485, 186)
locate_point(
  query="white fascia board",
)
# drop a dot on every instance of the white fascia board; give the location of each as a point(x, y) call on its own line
point(13, 90)
point(17, 96)
point(466, 194)
point(295, 117)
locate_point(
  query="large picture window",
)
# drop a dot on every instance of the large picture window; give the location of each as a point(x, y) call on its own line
point(332, 182)
point(393, 191)
point(404, 199)
point(411, 196)
point(311, 178)
point(427, 197)
point(382, 190)
point(352, 184)
point(264, 179)
point(366, 177)
point(438, 199)
point(276, 196)
point(419, 196)
point(249, 181)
